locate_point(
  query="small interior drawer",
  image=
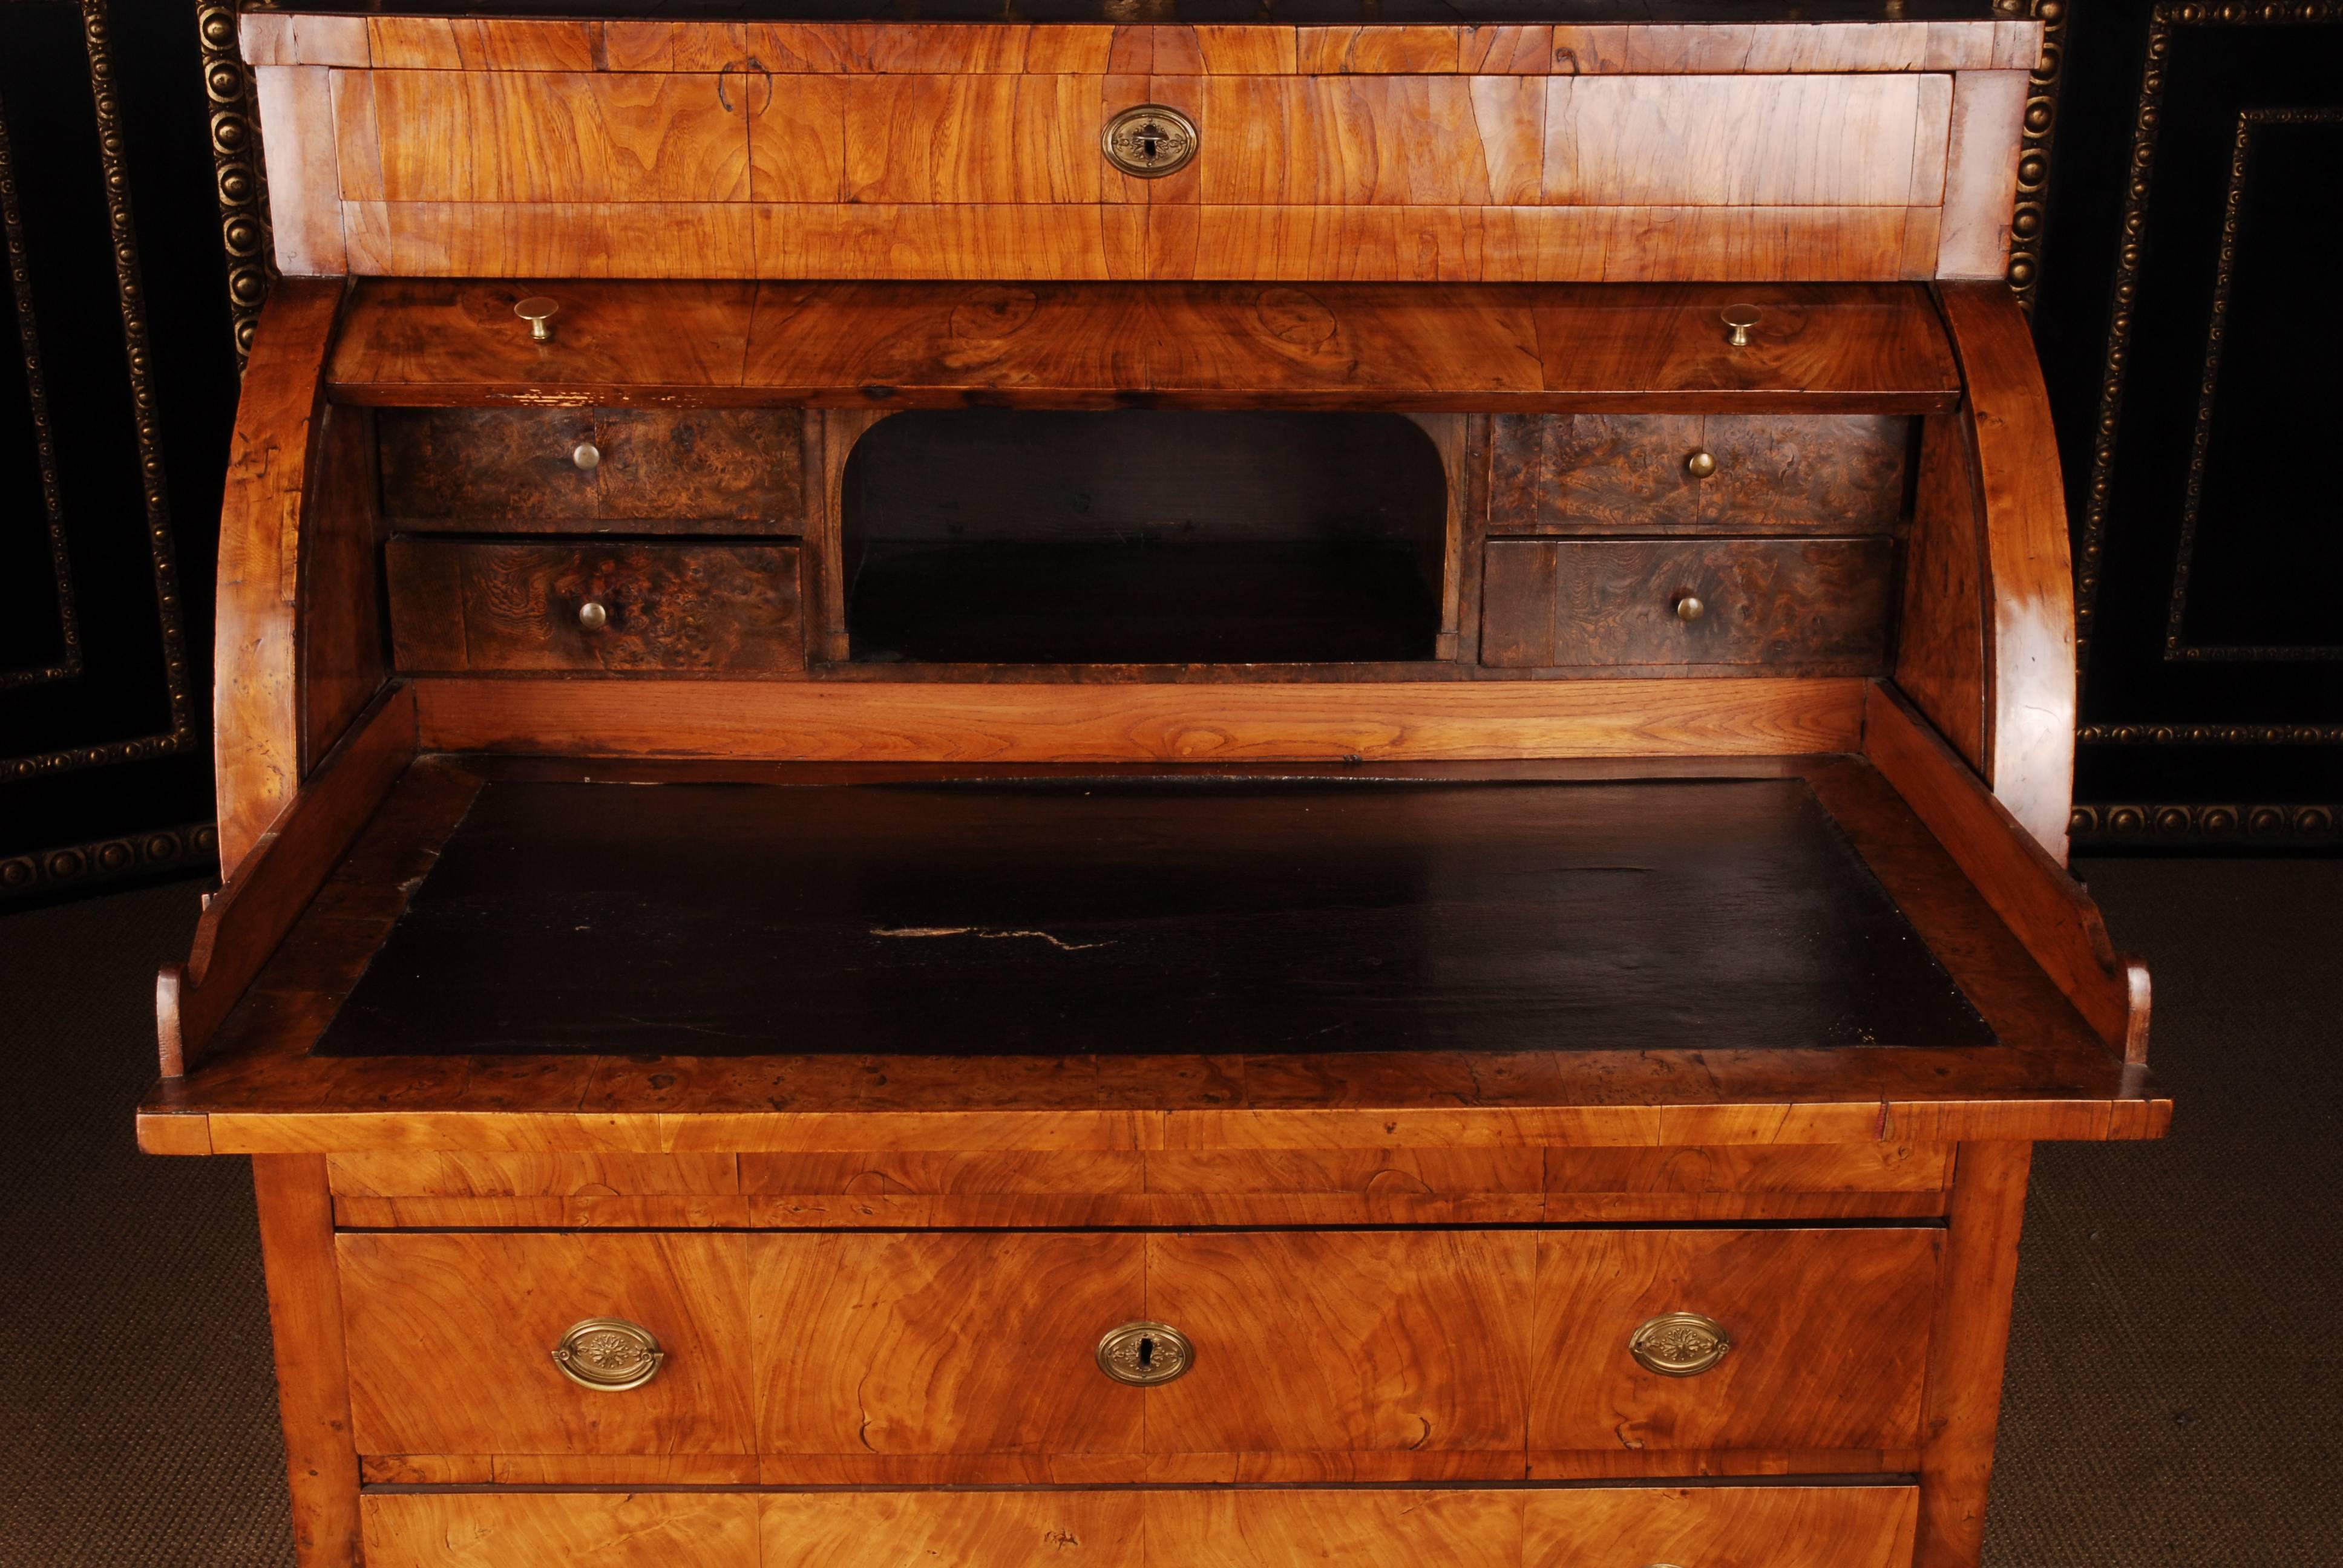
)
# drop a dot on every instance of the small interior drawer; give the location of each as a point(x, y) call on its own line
point(618, 605)
point(1809, 606)
point(1665, 473)
point(550, 469)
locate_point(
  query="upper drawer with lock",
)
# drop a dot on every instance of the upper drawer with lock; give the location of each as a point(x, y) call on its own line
point(655, 470)
point(1724, 473)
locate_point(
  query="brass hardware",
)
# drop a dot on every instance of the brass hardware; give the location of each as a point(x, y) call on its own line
point(1679, 1344)
point(610, 1354)
point(1701, 465)
point(587, 456)
point(538, 311)
point(1148, 140)
point(592, 616)
point(1143, 1355)
point(1690, 609)
point(1738, 319)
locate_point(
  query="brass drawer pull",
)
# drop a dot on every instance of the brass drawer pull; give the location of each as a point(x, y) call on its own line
point(1738, 319)
point(593, 615)
point(1149, 140)
point(1144, 1354)
point(610, 1354)
point(1701, 465)
point(1679, 1344)
point(538, 311)
point(1689, 608)
point(587, 456)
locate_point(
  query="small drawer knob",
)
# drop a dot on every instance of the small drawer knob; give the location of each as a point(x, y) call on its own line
point(1701, 465)
point(1144, 1354)
point(610, 1355)
point(1689, 608)
point(1738, 319)
point(587, 456)
point(537, 310)
point(593, 616)
point(1679, 1344)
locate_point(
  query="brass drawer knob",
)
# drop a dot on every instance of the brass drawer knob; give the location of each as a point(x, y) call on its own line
point(610, 1354)
point(592, 616)
point(538, 311)
point(1149, 140)
point(1689, 608)
point(1738, 319)
point(1144, 1354)
point(1679, 1344)
point(1701, 465)
point(587, 456)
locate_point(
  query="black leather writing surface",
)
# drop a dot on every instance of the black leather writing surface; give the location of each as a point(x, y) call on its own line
point(1122, 916)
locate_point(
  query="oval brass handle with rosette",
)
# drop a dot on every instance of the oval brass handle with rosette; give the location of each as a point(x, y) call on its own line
point(1144, 1354)
point(609, 1355)
point(1679, 1344)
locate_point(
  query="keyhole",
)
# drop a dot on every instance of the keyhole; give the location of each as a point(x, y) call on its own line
point(1148, 137)
point(1147, 1353)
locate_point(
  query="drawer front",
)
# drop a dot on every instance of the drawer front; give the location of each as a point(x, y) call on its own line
point(1829, 1332)
point(1644, 473)
point(561, 1530)
point(693, 608)
point(653, 469)
point(1808, 606)
point(451, 1336)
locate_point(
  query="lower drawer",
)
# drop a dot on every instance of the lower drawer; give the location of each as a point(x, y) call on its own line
point(1707, 1526)
point(615, 606)
point(1808, 606)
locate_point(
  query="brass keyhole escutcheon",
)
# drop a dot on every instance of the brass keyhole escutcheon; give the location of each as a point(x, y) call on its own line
point(1144, 1354)
point(1149, 140)
point(1679, 1344)
point(609, 1355)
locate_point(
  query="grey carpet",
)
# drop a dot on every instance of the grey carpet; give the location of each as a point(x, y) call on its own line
point(2174, 1397)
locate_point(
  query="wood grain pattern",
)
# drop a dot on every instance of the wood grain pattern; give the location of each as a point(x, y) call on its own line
point(340, 656)
point(1821, 1168)
point(1722, 1527)
point(469, 466)
point(1941, 634)
point(1815, 606)
point(997, 1529)
point(560, 1529)
point(701, 608)
point(1988, 111)
point(296, 101)
point(1830, 1329)
point(943, 1345)
point(1412, 1342)
point(1830, 472)
point(1967, 1345)
point(1374, 1529)
point(530, 1175)
point(450, 1340)
point(313, 1394)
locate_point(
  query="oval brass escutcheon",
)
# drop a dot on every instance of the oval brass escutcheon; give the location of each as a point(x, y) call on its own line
point(1149, 140)
point(609, 1355)
point(1679, 1344)
point(1144, 1354)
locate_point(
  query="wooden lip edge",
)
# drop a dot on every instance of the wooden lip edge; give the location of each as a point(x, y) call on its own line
point(615, 393)
point(2115, 994)
point(288, 863)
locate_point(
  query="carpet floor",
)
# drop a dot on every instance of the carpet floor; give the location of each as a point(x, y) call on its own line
point(2174, 1395)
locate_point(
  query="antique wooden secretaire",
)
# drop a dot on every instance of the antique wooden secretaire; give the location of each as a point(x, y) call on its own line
point(1121, 784)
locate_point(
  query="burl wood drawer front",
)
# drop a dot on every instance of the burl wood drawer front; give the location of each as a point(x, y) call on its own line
point(1663, 473)
point(451, 1337)
point(1816, 606)
point(619, 607)
point(653, 470)
point(1828, 1331)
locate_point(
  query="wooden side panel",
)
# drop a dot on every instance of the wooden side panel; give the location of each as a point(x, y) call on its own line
point(1817, 605)
point(1988, 120)
point(1722, 1527)
point(344, 645)
point(313, 1391)
point(1966, 1349)
point(560, 1530)
point(1830, 1329)
point(1413, 1341)
point(1940, 644)
point(451, 1338)
point(933, 1344)
point(296, 103)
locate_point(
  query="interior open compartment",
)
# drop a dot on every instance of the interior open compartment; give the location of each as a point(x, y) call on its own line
point(1143, 536)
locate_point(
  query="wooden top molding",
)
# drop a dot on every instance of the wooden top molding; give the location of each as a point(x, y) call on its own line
point(904, 345)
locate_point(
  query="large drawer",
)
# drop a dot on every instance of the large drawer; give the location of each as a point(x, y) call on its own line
point(844, 1357)
point(1816, 606)
point(544, 469)
point(1713, 1527)
point(1729, 473)
point(618, 606)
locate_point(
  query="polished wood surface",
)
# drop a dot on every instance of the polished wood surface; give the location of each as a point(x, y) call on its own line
point(451, 1338)
point(694, 609)
point(1940, 639)
point(1816, 606)
point(1967, 1346)
point(998, 1529)
point(340, 656)
point(561, 1530)
point(1477, 348)
point(305, 1318)
point(1723, 1527)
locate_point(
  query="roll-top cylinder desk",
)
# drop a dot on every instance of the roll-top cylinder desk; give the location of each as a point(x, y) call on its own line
point(1127, 786)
